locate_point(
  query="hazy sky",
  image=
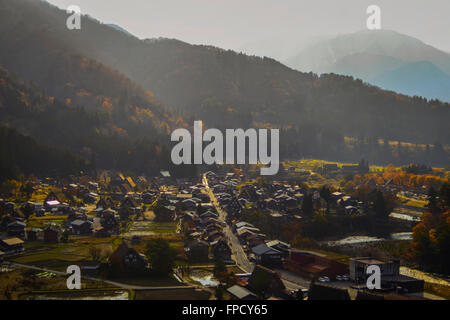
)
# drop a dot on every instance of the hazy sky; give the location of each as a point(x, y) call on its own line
point(230, 24)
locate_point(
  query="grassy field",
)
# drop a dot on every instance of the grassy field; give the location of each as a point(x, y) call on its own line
point(58, 256)
point(14, 284)
point(174, 294)
point(83, 294)
point(42, 222)
point(413, 202)
point(438, 290)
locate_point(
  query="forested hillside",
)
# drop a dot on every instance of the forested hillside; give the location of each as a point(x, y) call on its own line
point(223, 88)
point(212, 83)
point(20, 154)
point(91, 134)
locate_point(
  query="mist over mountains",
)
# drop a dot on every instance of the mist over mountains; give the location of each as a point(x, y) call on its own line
point(381, 57)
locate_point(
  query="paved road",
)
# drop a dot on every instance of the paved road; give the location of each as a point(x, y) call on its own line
point(238, 252)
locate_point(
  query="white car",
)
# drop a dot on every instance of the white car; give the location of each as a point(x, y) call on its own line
point(324, 279)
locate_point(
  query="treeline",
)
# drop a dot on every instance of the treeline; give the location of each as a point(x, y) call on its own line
point(20, 154)
point(431, 237)
point(327, 143)
point(91, 134)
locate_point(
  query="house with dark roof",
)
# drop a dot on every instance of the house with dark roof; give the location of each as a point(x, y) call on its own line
point(51, 234)
point(127, 258)
point(81, 227)
point(266, 283)
point(321, 291)
point(11, 245)
point(33, 234)
point(266, 255)
point(311, 265)
point(16, 229)
point(197, 250)
point(221, 250)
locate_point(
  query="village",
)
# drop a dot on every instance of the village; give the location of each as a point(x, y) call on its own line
point(226, 235)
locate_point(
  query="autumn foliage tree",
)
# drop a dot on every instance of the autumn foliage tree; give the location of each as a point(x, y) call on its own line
point(431, 237)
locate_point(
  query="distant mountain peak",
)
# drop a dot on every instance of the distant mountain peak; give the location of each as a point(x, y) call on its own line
point(119, 28)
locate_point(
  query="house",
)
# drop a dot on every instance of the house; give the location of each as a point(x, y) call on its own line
point(16, 229)
point(221, 250)
point(165, 214)
point(101, 232)
point(189, 204)
point(81, 227)
point(266, 283)
point(11, 245)
point(254, 240)
point(109, 221)
point(197, 250)
point(321, 291)
point(33, 234)
point(101, 204)
point(310, 265)
point(89, 268)
point(127, 258)
point(270, 203)
point(240, 225)
point(51, 201)
point(51, 234)
point(266, 255)
point(130, 182)
point(390, 275)
point(240, 293)
point(281, 246)
point(358, 267)
point(129, 202)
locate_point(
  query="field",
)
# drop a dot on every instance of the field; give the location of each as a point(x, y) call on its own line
point(412, 202)
point(150, 281)
point(43, 222)
point(19, 282)
point(58, 256)
point(173, 294)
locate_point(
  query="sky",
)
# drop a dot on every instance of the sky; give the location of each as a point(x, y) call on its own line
point(231, 24)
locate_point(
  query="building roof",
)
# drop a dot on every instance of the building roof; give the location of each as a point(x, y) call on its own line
point(278, 242)
point(264, 249)
point(165, 174)
point(17, 223)
point(131, 182)
point(369, 261)
point(79, 222)
point(240, 292)
point(12, 241)
point(53, 202)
